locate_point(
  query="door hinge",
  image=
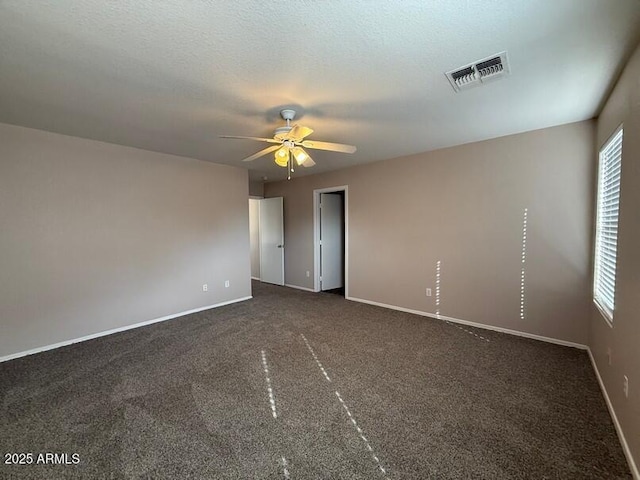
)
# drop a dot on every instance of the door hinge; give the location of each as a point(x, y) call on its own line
point(320, 242)
point(320, 278)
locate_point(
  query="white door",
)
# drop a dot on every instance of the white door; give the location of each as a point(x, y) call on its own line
point(271, 241)
point(254, 237)
point(331, 241)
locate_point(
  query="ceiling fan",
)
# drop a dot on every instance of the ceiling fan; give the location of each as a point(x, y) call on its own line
point(288, 142)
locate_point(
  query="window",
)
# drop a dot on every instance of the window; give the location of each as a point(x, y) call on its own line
point(604, 283)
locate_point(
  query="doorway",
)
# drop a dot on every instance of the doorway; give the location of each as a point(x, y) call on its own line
point(331, 240)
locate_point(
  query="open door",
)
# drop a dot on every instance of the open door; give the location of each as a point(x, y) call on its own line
point(331, 241)
point(272, 241)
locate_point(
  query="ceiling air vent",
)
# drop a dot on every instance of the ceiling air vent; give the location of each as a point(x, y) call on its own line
point(477, 73)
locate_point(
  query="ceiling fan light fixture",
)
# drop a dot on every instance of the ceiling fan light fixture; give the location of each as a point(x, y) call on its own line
point(282, 156)
point(300, 155)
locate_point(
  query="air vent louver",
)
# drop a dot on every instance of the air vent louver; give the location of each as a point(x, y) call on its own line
point(464, 76)
point(477, 73)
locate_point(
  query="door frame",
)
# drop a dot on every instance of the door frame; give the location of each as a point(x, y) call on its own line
point(316, 235)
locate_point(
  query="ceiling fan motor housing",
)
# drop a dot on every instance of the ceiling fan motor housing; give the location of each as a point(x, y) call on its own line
point(282, 130)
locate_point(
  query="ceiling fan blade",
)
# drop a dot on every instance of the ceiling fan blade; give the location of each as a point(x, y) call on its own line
point(332, 147)
point(259, 139)
point(308, 162)
point(298, 132)
point(262, 152)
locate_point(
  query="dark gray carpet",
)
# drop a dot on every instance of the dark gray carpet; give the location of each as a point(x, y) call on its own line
point(421, 399)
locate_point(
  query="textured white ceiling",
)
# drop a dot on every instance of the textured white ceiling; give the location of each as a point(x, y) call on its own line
point(171, 76)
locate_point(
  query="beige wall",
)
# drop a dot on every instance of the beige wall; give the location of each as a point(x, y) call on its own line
point(256, 189)
point(623, 106)
point(97, 236)
point(464, 206)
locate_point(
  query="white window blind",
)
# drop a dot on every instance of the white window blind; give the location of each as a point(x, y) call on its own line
point(607, 224)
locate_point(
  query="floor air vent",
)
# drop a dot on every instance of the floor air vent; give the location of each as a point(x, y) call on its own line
point(482, 71)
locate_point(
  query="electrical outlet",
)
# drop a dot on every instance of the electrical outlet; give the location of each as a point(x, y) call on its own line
point(205, 287)
point(428, 292)
point(609, 355)
point(226, 284)
point(308, 273)
point(625, 386)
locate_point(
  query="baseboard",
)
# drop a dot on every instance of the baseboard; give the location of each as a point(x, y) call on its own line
point(116, 330)
point(300, 288)
point(473, 324)
point(616, 423)
point(255, 278)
